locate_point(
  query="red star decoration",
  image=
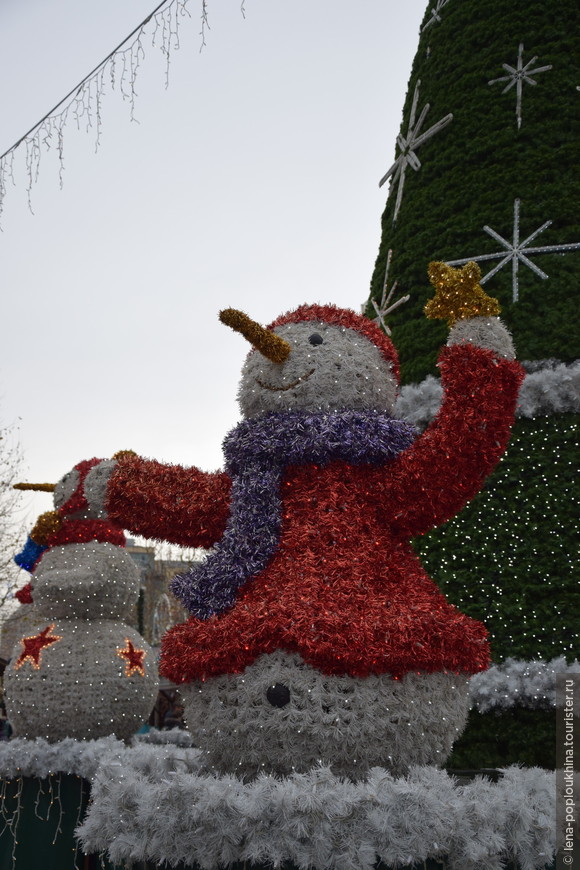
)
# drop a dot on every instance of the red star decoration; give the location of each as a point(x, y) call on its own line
point(33, 646)
point(134, 658)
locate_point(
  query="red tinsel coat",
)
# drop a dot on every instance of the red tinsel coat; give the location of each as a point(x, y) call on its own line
point(344, 587)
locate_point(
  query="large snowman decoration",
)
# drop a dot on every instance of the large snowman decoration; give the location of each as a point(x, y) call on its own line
point(315, 634)
point(83, 673)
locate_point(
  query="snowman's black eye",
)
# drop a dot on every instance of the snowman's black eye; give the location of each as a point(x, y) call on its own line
point(315, 338)
point(278, 695)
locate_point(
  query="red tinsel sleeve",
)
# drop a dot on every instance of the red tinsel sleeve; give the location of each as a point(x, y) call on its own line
point(184, 506)
point(445, 468)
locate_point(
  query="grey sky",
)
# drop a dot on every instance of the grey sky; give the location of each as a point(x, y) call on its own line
point(252, 182)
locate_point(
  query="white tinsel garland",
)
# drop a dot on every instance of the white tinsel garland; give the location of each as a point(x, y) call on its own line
point(154, 803)
point(518, 683)
point(418, 403)
point(553, 389)
point(174, 736)
point(21, 757)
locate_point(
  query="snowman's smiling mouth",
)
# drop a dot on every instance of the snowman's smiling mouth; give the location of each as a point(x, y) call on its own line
point(275, 389)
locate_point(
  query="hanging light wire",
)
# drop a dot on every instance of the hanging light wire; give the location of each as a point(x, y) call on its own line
point(83, 82)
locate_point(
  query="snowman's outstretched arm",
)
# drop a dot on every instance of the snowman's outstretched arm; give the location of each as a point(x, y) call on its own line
point(183, 506)
point(448, 464)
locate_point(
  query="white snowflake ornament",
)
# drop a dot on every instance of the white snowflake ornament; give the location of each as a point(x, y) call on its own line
point(517, 75)
point(516, 252)
point(409, 144)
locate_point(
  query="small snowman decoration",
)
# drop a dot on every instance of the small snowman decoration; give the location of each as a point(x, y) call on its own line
point(83, 673)
point(316, 636)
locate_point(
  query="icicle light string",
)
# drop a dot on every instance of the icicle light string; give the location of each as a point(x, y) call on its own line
point(204, 23)
point(15, 820)
point(39, 794)
point(60, 807)
point(83, 102)
point(81, 804)
point(3, 807)
point(84, 81)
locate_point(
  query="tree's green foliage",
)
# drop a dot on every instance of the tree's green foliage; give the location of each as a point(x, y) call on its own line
point(473, 170)
point(500, 739)
point(509, 559)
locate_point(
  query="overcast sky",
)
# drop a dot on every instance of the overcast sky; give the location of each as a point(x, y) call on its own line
point(251, 181)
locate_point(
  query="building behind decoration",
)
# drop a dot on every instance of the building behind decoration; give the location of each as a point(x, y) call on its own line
point(157, 609)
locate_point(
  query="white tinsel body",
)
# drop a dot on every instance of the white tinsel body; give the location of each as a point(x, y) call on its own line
point(89, 581)
point(81, 688)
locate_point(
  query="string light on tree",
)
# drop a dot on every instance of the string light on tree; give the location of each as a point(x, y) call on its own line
point(517, 584)
point(516, 252)
point(504, 553)
point(408, 145)
point(517, 76)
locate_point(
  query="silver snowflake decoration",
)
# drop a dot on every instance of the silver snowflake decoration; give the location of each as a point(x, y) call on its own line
point(384, 308)
point(517, 252)
point(517, 76)
point(408, 145)
point(435, 16)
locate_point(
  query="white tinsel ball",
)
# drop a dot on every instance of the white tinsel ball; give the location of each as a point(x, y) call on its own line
point(81, 678)
point(281, 715)
point(90, 581)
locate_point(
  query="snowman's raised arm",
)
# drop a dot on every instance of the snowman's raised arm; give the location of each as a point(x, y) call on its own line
point(447, 465)
point(184, 506)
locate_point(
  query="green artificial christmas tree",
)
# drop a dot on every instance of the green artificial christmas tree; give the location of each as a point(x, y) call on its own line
point(486, 169)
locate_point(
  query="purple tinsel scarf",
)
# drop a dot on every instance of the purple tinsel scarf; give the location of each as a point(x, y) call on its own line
point(257, 452)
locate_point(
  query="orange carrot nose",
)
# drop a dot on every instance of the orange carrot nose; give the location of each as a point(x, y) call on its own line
point(268, 343)
point(37, 487)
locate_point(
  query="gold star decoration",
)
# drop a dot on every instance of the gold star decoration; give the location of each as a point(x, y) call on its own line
point(458, 294)
point(32, 647)
point(134, 658)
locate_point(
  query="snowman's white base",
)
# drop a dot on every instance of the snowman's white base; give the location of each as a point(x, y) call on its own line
point(346, 723)
point(81, 688)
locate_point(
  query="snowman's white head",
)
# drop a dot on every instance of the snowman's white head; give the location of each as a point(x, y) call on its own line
point(317, 359)
point(72, 498)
